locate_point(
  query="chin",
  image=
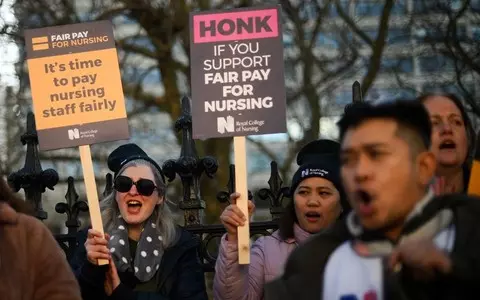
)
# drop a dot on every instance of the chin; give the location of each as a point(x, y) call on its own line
point(313, 228)
point(372, 224)
point(448, 158)
point(449, 162)
point(134, 220)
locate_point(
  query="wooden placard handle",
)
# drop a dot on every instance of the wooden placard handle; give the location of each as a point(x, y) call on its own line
point(91, 190)
point(240, 157)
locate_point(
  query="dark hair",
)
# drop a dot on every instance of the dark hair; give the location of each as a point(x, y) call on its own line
point(408, 114)
point(318, 154)
point(287, 220)
point(12, 199)
point(466, 120)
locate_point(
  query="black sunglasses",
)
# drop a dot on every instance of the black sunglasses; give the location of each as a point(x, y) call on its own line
point(123, 184)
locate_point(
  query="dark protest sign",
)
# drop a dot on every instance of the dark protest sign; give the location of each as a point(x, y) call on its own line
point(76, 85)
point(237, 73)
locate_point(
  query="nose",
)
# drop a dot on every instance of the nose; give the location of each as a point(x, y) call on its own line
point(362, 169)
point(313, 200)
point(133, 190)
point(446, 127)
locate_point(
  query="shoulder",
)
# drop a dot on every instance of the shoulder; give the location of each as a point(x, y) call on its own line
point(320, 246)
point(22, 223)
point(37, 232)
point(331, 237)
point(185, 240)
point(7, 214)
point(461, 203)
point(274, 240)
point(34, 237)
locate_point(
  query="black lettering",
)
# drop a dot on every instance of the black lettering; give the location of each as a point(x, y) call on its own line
point(242, 25)
point(204, 28)
point(221, 27)
point(228, 26)
point(262, 23)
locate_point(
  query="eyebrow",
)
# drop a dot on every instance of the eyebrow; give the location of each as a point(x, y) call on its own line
point(437, 116)
point(323, 187)
point(304, 187)
point(367, 146)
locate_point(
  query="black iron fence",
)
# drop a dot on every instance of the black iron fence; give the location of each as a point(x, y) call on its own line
point(188, 167)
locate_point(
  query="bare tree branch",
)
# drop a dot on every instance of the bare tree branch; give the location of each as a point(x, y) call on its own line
point(379, 46)
point(352, 24)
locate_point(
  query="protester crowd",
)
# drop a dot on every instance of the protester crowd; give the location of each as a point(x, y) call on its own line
point(382, 213)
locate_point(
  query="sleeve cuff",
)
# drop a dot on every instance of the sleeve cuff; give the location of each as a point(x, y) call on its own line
point(93, 273)
point(122, 292)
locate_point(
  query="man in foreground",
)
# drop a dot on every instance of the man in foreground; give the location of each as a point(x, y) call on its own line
point(399, 242)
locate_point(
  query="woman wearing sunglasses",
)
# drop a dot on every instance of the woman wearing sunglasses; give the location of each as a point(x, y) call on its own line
point(149, 256)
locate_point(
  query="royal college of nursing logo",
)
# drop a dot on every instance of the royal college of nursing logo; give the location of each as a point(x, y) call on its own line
point(314, 172)
point(225, 124)
point(73, 134)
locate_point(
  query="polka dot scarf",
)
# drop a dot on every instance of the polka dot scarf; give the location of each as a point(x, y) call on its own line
point(149, 251)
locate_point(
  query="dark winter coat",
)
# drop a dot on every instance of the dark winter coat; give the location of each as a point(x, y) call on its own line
point(304, 273)
point(180, 276)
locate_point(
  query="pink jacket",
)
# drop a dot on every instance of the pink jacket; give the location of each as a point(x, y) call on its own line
point(267, 258)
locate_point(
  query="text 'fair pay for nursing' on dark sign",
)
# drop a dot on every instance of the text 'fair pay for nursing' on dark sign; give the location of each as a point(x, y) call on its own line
point(237, 73)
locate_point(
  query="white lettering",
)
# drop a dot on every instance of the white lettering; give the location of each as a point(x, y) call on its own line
point(224, 77)
point(256, 62)
point(239, 104)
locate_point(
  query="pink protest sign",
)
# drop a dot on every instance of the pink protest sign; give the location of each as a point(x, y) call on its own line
point(237, 73)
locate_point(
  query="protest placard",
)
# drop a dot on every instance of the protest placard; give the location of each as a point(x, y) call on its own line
point(77, 93)
point(237, 84)
point(237, 73)
point(76, 87)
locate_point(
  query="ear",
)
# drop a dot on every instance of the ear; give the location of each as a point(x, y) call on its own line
point(160, 200)
point(426, 165)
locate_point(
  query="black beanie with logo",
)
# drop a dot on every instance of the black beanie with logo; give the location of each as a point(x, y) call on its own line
point(319, 158)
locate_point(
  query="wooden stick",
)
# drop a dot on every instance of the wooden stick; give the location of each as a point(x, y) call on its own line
point(240, 157)
point(92, 196)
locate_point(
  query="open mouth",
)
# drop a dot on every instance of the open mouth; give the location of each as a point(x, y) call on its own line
point(313, 216)
point(447, 144)
point(134, 204)
point(364, 197)
point(365, 203)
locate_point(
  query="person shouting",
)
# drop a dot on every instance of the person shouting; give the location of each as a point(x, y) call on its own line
point(149, 256)
point(317, 201)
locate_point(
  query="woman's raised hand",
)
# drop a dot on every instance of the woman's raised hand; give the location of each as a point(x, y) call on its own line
point(232, 216)
point(96, 246)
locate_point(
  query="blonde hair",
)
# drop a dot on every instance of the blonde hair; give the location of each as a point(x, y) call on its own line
point(165, 221)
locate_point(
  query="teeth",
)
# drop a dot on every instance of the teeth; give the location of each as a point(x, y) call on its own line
point(133, 202)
